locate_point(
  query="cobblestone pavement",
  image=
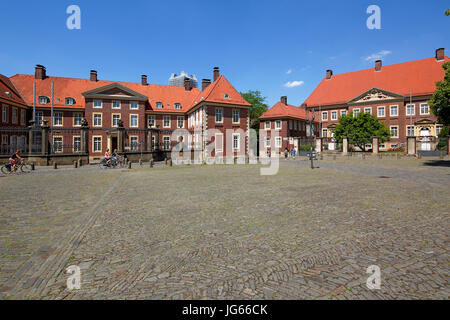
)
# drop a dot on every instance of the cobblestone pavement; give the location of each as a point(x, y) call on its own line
point(225, 232)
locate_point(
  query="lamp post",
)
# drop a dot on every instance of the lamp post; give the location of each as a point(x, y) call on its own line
point(311, 130)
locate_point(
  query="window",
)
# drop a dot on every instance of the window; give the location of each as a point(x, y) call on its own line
point(368, 110)
point(218, 142)
point(334, 115)
point(5, 114)
point(278, 124)
point(76, 144)
point(393, 111)
point(219, 115)
point(394, 131)
point(134, 105)
point(236, 141)
point(166, 123)
point(438, 130)
point(324, 133)
point(296, 125)
point(325, 116)
point(410, 131)
point(134, 120)
point(424, 109)
point(57, 144)
point(97, 119)
point(151, 121)
point(235, 116)
point(159, 105)
point(134, 143)
point(77, 119)
point(14, 115)
point(58, 119)
point(355, 112)
point(278, 142)
point(267, 142)
point(115, 120)
point(43, 100)
point(291, 125)
point(381, 112)
point(97, 144)
point(97, 103)
point(343, 113)
point(70, 101)
point(22, 117)
point(38, 117)
point(180, 122)
point(177, 106)
point(4, 139)
point(410, 110)
point(226, 96)
point(267, 125)
point(166, 142)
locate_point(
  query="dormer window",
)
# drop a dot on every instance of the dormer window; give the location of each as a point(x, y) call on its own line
point(226, 96)
point(8, 93)
point(177, 106)
point(44, 100)
point(70, 101)
point(159, 105)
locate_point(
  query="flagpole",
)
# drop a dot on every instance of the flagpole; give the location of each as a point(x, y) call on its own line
point(51, 121)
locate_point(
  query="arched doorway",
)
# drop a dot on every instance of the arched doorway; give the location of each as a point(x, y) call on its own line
point(425, 139)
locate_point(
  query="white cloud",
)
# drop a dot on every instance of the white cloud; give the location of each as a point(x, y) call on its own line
point(289, 71)
point(378, 55)
point(292, 84)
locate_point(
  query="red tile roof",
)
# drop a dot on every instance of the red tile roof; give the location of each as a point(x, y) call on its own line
point(216, 91)
point(7, 86)
point(281, 110)
point(419, 76)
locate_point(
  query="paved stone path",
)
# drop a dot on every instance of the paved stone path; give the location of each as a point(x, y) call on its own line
point(225, 232)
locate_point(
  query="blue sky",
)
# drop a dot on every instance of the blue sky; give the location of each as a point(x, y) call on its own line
point(258, 45)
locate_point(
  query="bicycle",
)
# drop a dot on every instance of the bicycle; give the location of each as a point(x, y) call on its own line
point(21, 167)
point(113, 163)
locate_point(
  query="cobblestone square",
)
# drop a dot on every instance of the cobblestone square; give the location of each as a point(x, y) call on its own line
point(226, 232)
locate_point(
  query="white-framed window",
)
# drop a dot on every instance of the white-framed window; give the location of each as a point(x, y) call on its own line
point(393, 112)
point(5, 114)
point(159, 105)
point(98, 104)
point(381, 112)
point(278, 141)
point(76, 144)
point(296, 125)
point(218, 142)
point(97, 119)
point(134, 143)
point(410, 131)
point(180, 122)
point(394, 131)
point(43, 100)
point(77, 119)
point(236, 116)
point(324, 133)
point(134, 120)
point(57, 144)
point(219, 115)
point(22, 117)
point(343, 113)
point(267, 142)
point(410, 109)
point(4, 139)
point(134, 105)
point(38, 117)
point(166, 122)
point(166, 142)
point(325, 116)
point(70, 101)
point(58, 119)
point(334, 115)
point(177, 106)
point(97, 144)
point(368, 110)
point(151, 121)
point(115, 119)
point(291, 124)
point(267, 125)
point(424, 108)
point(14, 115)
point(438, 130)
point(278, 124)
point(116, 104)
point(355, 112)
point(236, 142)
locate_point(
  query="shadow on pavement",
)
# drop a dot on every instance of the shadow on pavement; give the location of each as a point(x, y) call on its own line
point(438, 163)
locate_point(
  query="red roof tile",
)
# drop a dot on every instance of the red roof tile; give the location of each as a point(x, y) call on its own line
point(217, 90)
point(417, 76)
point(7, 86)
point(280, 110)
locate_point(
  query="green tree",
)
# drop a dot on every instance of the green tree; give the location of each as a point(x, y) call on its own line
point(440, 101)
point(447, 12)
point(445, 132)
point(258, 106)
point(361, 129)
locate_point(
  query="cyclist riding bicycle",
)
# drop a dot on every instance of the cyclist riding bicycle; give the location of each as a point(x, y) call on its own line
point(107, 157)
point(114, 155)
point(14, 159)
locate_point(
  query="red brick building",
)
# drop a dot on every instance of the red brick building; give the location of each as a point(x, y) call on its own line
point(397, 95)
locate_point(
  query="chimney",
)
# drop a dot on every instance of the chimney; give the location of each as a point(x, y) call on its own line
point(329, 74)
point(205, 83)
point(216, 73)
point(40, 72)
point(284, 100)
point(440, 54)
point(187, 84)
point(144, 80)
point(93, 76)
point(378, 65)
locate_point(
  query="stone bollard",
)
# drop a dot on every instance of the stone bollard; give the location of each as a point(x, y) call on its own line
point(398, 156)
point(170, 162)
point(441, 155)
point(32, 166)
point(140, 162)
point(151, 163)
point(363, 156)
point(129, 164)
point(247, 160)
point(334, 157)
point(55, 165)
point(380, 156)
point(80, 163)
point(75, 164)
point(165, 161)
point(321, 156)
point(419, 156)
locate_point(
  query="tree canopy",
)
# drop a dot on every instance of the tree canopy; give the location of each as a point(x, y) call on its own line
point(361, 129)
point(258, 106)
point(447, 12)
point(440, 101)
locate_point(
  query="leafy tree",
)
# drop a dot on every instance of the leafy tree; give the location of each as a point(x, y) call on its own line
point(445, 132)
point(447, 12)
point(361, 129)
point(440, 101)
point(258, 106)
